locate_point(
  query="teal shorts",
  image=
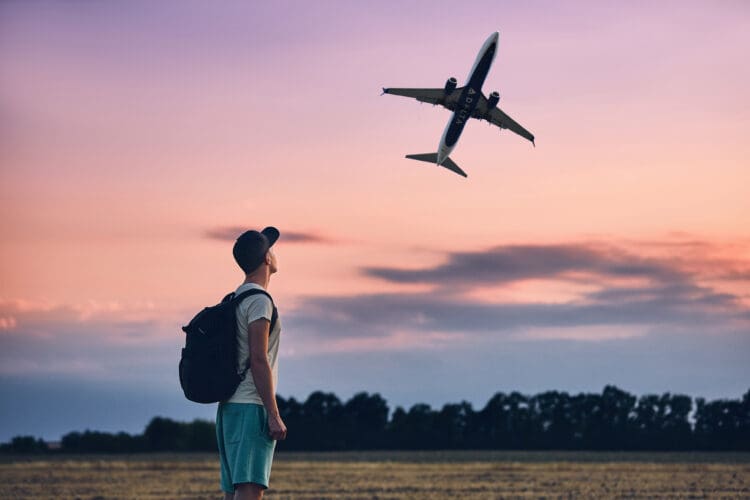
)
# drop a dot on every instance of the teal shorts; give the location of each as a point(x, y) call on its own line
point(245, 447)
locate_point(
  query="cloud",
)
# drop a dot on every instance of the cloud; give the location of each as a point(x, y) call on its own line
point(109, 340)
point(230, 233)
point(668, 261)
point(629, 290)
point(629, 294)
point(7, 322)
point(377, 315)
point(504, 264)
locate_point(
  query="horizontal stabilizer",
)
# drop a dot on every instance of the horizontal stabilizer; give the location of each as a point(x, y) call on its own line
point(432, 158)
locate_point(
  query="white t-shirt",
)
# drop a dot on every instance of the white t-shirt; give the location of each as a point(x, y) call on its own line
point(250, 309)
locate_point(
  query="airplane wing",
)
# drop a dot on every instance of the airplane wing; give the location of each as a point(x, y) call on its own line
point(432, 96)
point(497, 117)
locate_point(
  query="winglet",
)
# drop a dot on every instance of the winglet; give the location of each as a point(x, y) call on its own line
point(384, 91)
point(533, 143)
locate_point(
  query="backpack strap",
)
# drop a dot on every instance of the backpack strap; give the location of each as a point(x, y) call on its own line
point(237, 299)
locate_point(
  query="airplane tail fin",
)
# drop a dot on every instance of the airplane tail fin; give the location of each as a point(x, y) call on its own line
point(432, 158)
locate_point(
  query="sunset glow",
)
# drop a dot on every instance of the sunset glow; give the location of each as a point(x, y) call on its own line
point(138, 139)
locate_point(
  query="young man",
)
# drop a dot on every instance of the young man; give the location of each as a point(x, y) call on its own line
point(248, 423)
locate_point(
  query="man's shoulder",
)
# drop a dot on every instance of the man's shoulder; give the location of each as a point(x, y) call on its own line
point(257, 299)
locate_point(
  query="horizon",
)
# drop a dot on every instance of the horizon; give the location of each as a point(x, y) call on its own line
point(138, 140)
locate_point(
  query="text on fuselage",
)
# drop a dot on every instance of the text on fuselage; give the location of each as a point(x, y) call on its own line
point(464, 112)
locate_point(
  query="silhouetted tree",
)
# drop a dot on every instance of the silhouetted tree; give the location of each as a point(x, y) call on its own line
point(453, 424)
point(201, 436)
point(291, 412)
point(102, 442)
point(414, 430)
point(163, 434)
point(676, 431)
point(723, 424)
point(612, 420)
point(555, 421)
point(25, 444)
point(364, 419)
point(506, 419)
point(617, 422)
point(321, 423)
point(649, 414)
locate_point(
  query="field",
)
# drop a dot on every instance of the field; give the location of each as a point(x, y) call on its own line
point(389, 475)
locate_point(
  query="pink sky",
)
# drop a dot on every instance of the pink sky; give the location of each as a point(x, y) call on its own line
point(130, 131)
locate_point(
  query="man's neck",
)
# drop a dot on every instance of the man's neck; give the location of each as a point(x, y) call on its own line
point(260, 278)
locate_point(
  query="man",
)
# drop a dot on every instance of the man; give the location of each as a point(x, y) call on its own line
point(248, 423)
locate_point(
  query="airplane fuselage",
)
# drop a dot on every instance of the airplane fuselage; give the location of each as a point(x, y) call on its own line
point(469, 98)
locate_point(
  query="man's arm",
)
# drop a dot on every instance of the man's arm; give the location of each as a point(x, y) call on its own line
point(260, 368)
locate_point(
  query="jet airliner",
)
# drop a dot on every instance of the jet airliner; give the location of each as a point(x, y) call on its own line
point(465, 102)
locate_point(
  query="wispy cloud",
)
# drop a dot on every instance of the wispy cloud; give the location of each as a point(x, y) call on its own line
point(629, 294)
point(628, 287)
point(102, 340)
point(230, 233)
point(376, 315)
point(504, 264)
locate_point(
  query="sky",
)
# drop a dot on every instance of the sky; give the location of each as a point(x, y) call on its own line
point(139, 139)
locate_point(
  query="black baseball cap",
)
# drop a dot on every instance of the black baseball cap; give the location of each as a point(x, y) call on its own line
point(251, 247)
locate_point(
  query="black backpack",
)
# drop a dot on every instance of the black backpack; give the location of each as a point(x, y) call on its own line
point(208, 366)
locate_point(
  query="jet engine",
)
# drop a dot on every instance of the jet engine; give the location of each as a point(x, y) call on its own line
point(450, 85)
point(493, 100)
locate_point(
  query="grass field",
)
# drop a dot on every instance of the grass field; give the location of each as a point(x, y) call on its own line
point(389, 475)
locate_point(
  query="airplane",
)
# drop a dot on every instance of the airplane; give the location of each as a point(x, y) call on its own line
point(465, 102)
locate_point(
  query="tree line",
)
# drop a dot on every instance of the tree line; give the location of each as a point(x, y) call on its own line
point(612, 420)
